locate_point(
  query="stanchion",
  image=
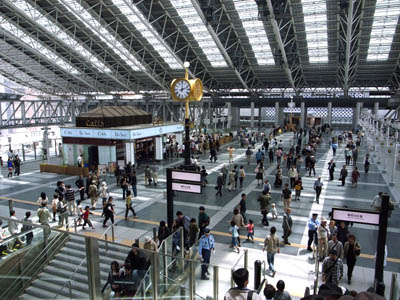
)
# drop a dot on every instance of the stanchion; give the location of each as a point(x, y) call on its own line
point(257, 274)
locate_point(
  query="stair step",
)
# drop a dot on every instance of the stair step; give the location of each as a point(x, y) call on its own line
point(63, 281)
point(117, 252)
point(81, 270)
point(61, 289)
point(38, 293)
point(80, 276)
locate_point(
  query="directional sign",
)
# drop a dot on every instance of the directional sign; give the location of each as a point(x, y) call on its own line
point(356, 216)
point(186, 176)
point(186, 187)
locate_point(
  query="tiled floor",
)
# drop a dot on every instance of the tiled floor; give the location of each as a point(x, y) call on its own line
point(292, 264)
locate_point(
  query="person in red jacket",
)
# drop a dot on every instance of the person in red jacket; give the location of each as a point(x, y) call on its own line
point(85, 217)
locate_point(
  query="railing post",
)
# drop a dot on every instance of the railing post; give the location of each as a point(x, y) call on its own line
point(182, 252)
point(393, 286)
point(10, 205)
point(155, 272)
point(93, 268)
point(34, 150)
point(75, 224)
point(215, 283)
point(155, 234)
point(232, 282)
point(105, 237)
point(165, 263)
point(112, 233)
point(192, 280)
point(246, 259)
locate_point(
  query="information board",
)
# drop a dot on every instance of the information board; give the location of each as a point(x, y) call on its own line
point(102, 170)
point(186, 176)
point(186, 187)
point(356, 216)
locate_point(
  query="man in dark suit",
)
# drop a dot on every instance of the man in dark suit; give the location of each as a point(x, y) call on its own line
point(287, 225)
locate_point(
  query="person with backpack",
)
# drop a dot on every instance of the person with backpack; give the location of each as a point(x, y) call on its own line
point(241, 292)
point(93, 194)
point(271, 244)
point(62, 212)
point(332, 268)
point(44, 217)
point(249, 153)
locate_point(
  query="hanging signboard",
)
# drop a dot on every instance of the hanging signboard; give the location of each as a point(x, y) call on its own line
point(356, 216)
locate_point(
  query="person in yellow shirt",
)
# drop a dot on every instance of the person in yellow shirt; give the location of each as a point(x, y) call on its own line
point(128, 204)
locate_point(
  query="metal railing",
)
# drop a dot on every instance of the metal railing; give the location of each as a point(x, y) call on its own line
point(394, 288)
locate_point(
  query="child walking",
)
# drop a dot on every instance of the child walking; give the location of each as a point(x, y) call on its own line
point(250, 231)
point(85, 217)
point(235, 235)
point(297, 188)
point(274, 212)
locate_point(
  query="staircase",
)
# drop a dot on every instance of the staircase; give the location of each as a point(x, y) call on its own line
point(64, 277)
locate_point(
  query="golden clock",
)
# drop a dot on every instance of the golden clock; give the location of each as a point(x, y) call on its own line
point(181, 89)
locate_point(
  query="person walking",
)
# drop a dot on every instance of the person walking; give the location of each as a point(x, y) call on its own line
point(242, 207)
point(70, 197)
point(280, 293)
point(230, 151)
point(206, 245)
point(355, 175)
point(163, 232)
point(128, 205)
point(271, 155)
point(236, 169)
point(154, 173)
point(286, 197)
point(93, 194)
point(134, 183)
point(352, 249)
point(331, 168)
point(248, 153)
point(27, 228)
point(260, 174)
point(347, 155)
point(85, 217)
point(287, 226)
point(323, 234)
point(219, 185)
point(203, 219)
point(17, 165)
point(342, 232)
point(297, 189)
point(242, 175)
point(312, 165)
point(264, 200)
point(147, 176)
point(293, 175)
point(104, 193)
point(231, 182)
point(124, 186)
point(237, 218)
point(313, 224)
point(108, 212)
point(377, 202)
point(335, 244)
point(10, 167)
point(271, 245)
point(44, 218)
point(54, 203)
point(355, 156)
point(81, 187)
point(241, 292)
point(318, 188)
point(366, 164)
point(234, 230)
point(343, 175)
point(225, 174)
point(332, 269)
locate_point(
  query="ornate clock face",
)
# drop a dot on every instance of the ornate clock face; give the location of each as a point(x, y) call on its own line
point(182, 89)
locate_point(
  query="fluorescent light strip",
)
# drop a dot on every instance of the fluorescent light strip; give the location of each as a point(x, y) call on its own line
point(146, 33)
point(383, 29)
point(199, 31)
point(34, 44)
point(315, 21)
point(82, 14)
point(255, 31)
point(49, 25)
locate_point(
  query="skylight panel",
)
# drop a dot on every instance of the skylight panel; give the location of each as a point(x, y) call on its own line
point(146, 33)
point(315, 21)
point(80, 13)
point(255, 31)
point(199, 31)
point(51, 27)
point(37, 46)
point(383, 29)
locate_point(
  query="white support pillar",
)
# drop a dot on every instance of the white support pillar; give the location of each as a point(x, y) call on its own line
point(276, 113)
point(229, 117)
point(376, 108)
point(356, 115)
point(73, 108)
point(252, 115)
point(302, 115)
point(329, 117)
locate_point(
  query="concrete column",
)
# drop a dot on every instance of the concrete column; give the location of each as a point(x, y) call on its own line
point(376, 108)
point(229, 117)
point(329, 117)
point(259, 118)
point(356, 115)
point(302, 115)
point(252, 115)
point(235, 113)
point(280, 116)
point(276, 113)
point(73, 117)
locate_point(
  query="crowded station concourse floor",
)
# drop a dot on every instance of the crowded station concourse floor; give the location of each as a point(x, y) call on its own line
point(293, 263)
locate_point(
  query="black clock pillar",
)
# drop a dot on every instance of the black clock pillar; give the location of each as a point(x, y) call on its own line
point(186, 154)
